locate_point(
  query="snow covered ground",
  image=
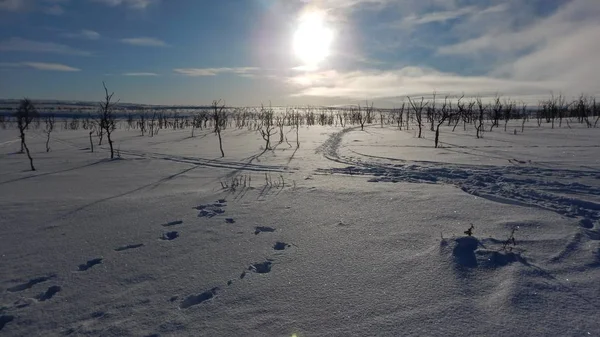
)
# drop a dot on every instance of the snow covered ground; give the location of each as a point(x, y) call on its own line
point(356, 233)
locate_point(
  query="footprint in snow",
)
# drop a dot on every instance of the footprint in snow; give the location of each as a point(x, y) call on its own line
point(193, 300)
point(30, 283)
point(90, 264)
point(281, 246)
point(230, 220)
point(134, 246)
point(48, 294)
point(5, 319)
point(210, 213)
point(172, 223)
point(261, 268)
point(169, 236)
point(265, 229)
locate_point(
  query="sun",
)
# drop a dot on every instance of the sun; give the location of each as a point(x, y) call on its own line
point(312, 39)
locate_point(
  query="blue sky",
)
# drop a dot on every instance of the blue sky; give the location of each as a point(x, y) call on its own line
point(242, 51)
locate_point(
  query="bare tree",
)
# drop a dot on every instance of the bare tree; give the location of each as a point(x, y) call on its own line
point(49, 127)
point(361, 117)
point(219, 117)
point(25, 114)
point(297, 126)
point(280, 121)
point(431, 112)
point(400, 118)
point(418, 109)
point(524, 116)
point(480, 119)
point(91, 142)
point(445, 113)
point(107, 117)
point(196, 122)
point(142, 122)
point(267, 127)
point(496, 112)
point(508, 109)
point(153, 125)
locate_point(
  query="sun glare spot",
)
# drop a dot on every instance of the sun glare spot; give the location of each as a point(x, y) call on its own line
point(312, 39)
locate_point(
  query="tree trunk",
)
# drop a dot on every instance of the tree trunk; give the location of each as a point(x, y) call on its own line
point(91, 142)
point(47, 143)
point(220, 144)
point(27, 150)
point(110, 143)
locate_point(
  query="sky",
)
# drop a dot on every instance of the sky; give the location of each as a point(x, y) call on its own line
point(298, 52)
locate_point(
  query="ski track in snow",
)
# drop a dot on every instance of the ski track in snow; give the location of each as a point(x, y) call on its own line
point(517, 184)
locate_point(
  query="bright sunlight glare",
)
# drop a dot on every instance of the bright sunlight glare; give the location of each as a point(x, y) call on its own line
point(312, 39)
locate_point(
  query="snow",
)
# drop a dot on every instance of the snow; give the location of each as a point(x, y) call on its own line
point(355, 233)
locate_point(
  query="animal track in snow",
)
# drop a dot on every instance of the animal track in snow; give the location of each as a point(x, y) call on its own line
point(210, 213)
point(265, 229)
point(172, 223)
point(193, 300)
point(22, 303)
point(230, 220)
point(211, 210)
point(261, 268)
point(30, 283)
point(5, 319)
point(281, 246)
point(168, 236)
point(134, 246)
point(90, 264)
point(48, 294)
point(586, 223)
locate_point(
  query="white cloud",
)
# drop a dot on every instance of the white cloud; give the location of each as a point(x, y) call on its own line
point(54, 10)
point(437, 16)
point(144, 42)
point(40, 66)
point(140, 74)
point(196, 72)
point(492, 39)
point(135, 4)
point(410, 81)
point(51, 7)
point(13, 5)
point(84, 34)
point(559, 48)
point(24, 45)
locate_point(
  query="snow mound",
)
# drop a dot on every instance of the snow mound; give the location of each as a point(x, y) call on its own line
point(469, 252)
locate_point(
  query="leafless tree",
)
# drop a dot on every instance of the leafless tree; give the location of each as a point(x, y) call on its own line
point(267, 127)
point(49, 127)
point(153, 125)
point(479, 127)
point(444, 114)
point(107, 117)
point(496, 111)
point(523, 116)
point(91, 142)
point(196, 122)
point(280, 121)
point(418, 109)
point(508, 110)
point(219, 116)
point(400, 113)
point(431, 113)
point(142, 122)
point(25, 114)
